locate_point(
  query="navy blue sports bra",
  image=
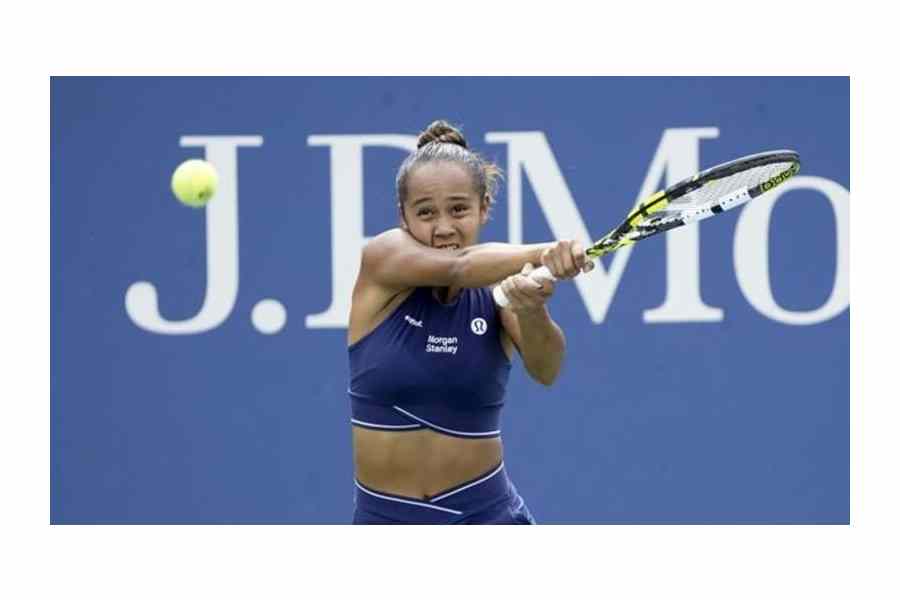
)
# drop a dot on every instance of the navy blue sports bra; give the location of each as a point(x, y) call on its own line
point(440, 366)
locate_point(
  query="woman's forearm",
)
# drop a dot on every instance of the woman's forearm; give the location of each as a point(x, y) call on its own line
point(543, 345)
point(486, 264)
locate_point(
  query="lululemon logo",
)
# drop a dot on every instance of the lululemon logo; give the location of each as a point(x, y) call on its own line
point(479, 326)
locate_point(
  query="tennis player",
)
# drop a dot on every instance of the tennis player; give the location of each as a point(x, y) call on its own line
point(430, 353)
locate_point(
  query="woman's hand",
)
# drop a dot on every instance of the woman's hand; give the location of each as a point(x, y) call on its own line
point(526, 295)
point(566, 259)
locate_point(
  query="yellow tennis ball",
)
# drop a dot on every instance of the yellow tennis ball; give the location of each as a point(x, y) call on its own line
point(194, 182)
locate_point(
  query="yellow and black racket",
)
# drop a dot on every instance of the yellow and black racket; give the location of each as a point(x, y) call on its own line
point(708, 193)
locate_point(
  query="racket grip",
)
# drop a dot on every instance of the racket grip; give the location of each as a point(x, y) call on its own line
point(539, 275)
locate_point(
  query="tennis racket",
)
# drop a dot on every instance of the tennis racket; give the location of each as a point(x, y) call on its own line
point(708, 193)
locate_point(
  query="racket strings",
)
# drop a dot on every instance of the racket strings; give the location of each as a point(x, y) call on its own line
point(714, 190)
point(710, 194)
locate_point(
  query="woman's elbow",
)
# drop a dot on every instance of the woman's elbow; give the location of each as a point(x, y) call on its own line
point(545, 378)
point(460, 273)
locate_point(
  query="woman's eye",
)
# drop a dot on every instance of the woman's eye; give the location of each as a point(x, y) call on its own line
point(460, 209)
point(423, 212)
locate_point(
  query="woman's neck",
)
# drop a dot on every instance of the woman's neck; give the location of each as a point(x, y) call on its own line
point(446, 295)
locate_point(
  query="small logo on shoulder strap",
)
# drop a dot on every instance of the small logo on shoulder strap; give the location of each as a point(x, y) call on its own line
point(412, 321)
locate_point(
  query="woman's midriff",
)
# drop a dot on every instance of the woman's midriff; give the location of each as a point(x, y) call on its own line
point(420, 463)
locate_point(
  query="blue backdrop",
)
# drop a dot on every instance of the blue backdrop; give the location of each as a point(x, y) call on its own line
point(738, 419)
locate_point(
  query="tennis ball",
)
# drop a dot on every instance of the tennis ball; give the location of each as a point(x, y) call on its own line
point(194, 182)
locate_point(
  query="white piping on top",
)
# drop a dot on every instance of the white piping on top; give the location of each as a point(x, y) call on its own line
point(380, 426)
point(439, 428)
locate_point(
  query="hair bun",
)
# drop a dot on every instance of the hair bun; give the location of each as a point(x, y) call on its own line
point(441, 132)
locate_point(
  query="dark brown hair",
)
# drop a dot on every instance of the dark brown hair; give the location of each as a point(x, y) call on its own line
point(442, 142)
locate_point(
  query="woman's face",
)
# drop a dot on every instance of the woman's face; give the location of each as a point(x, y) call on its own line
point(442, 207)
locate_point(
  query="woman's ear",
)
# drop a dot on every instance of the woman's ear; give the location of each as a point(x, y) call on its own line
point(403, 224)
point(485, 209)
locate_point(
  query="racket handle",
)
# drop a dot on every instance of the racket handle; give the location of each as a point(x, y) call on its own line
point(540, 275)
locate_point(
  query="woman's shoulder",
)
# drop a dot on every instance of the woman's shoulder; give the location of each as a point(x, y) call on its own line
point(387, 248)
point(386, 240)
